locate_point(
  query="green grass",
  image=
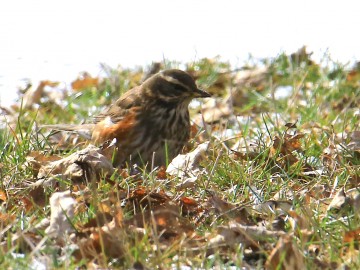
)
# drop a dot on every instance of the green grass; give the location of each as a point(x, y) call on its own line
point(323, 102)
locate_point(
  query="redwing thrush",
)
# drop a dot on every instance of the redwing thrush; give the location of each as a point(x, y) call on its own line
point(150, 122)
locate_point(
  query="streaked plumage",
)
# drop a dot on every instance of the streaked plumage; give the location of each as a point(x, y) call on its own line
point(150, 122)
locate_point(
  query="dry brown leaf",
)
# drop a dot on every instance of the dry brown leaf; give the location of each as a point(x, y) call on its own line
point(222, 78)
point(165, 219)
point(354, 143)
point(228, 237)
point(37, 159)
point(187, 165)
point(62, 206)
point(219, 204)
point(100, 220)
point(298, 221)
point(256, 77)
point(6, 219)
point(250, 78)
point(84, 81)
point(38, 196)
point(142, 198)
point(189, 182)
point(109, 240)
point(339, 202)
point(354, 199)
point(288, 143)
point(291, 125)
point(189, 206)
point(353, 75)
point(213, 111)
point(274, 206)
point(33, 95)
point(286, 256)
point(26, 204)
point(352, 236)
point(86, 164)
point(220, 85)
point(3, 196)
point(236, 233)
point(319, 191)
point(255, 232)
point(161, 174)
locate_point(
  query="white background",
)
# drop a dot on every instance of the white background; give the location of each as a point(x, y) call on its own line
point(52, 39)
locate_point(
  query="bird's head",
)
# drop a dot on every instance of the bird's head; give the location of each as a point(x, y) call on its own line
point(173, 86)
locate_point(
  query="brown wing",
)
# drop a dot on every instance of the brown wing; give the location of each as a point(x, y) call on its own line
point(120, 130)
point(121, 107)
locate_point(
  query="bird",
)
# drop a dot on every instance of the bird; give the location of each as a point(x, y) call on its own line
point(150, 123)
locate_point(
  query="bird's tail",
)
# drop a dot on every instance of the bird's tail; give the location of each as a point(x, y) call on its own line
point(84, 130)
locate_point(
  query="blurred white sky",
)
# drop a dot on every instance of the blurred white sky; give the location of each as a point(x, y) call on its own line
point(43, 39)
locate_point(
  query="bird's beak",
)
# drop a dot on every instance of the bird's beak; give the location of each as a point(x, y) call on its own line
point(201, 93)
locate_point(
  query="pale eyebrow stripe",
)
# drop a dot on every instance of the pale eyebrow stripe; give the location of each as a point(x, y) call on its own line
point(173, 80)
